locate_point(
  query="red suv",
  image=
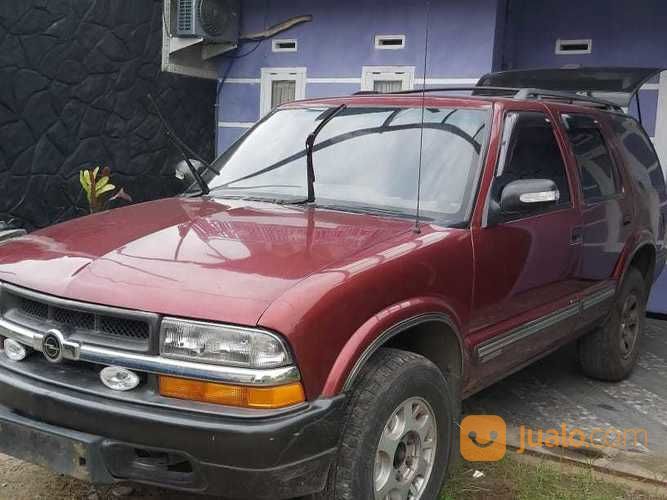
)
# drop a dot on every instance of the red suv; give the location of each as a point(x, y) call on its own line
point(311, 325)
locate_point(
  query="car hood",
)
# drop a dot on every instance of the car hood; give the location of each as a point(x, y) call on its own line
point(221, 260)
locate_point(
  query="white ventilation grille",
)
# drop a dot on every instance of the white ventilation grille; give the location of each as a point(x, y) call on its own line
point(390, 42)
point(574, 47)
point(285, 46)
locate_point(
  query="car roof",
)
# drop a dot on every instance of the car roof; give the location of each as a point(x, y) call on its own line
point(400, 100)
point(597, 88)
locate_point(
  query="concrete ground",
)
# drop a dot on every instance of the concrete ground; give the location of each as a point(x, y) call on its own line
point(542, 396)
point(553, 391)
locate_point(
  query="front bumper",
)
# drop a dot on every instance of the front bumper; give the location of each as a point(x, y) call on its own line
point(105, 441)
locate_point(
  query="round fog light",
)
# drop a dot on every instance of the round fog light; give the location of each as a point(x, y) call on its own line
point(119, 379)
point(14, 350)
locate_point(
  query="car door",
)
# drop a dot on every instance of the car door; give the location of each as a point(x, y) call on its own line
point(526, 286)
point(607, 213)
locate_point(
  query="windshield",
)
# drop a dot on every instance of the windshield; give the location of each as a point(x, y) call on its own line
point(364, 159)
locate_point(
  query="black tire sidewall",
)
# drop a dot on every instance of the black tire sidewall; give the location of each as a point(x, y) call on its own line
point(633, 283)
point(417, 380)
point(599, 352)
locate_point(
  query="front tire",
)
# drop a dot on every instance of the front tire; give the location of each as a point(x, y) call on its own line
point(398, 438)
point(611, 352)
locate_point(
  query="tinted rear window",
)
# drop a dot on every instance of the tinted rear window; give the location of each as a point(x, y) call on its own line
point(598, 173)
point(639, 153)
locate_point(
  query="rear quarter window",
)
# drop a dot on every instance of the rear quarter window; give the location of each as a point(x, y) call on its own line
point(599, 176)
point(639, 153)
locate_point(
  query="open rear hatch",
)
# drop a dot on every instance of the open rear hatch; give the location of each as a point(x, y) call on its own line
point(615, 85)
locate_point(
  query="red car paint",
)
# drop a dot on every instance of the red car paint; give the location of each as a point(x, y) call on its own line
point(332, 282)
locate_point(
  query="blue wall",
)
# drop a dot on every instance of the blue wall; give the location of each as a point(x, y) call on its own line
point(340, 40)
point(468, 38)
point(630, 32)
point(624, 33)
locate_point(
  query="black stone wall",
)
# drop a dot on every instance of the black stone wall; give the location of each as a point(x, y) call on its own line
point(74, 75)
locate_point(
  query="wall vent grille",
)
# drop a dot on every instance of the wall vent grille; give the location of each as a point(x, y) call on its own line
point(285, 46)
point(574, 47)
point(390, 42)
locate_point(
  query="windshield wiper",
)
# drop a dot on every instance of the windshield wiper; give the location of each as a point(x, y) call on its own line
point(184, 150)
point(310, 145)
point(370, 210)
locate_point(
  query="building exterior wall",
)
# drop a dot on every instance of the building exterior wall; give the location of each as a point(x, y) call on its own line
point(628, 32)
point(624, 33)
point(340, 41)
point(74, 76)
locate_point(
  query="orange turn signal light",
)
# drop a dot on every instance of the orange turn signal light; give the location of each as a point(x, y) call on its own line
point(239, 396)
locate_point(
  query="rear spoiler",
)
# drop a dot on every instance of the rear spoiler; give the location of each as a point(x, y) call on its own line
point(615, 85)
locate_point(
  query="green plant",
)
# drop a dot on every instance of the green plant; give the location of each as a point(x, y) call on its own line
point(98, 188)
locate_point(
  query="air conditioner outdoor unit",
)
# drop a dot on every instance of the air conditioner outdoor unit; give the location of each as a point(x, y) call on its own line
point(195, 32)
point(216, 21)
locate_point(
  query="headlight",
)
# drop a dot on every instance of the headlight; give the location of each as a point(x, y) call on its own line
point(222, 344)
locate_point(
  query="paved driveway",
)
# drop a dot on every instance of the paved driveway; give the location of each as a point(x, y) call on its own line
point(553, 391)
point(541, 396)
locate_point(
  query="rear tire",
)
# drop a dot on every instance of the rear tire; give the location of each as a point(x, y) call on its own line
point(611, 352)
point(401, 405)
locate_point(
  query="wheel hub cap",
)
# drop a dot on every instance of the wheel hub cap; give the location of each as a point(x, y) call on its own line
point(406, 452)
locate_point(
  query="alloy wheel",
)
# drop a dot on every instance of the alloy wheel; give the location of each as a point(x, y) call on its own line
point(406, 452)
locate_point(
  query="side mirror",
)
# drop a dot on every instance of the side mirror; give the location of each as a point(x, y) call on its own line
point(10, 229)
point(527, 195)
point(182, 171)
point(187, 183)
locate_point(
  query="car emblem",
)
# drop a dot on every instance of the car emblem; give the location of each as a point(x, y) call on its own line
point(52, 346)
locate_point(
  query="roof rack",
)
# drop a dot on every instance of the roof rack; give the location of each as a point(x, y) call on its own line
point(515, 93)
point(570, 97)
point(508, 90)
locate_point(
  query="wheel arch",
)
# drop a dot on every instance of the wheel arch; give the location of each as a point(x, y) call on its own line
point(643, 257)
point(433, 335)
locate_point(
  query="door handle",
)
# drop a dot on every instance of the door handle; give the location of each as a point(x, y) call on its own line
point(627, 219)
point(577, 236)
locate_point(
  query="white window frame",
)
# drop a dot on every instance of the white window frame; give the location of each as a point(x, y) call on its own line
point(269, 75)
point(379, 38)
point(404, 74)
point(561, 52)
point(275, 45)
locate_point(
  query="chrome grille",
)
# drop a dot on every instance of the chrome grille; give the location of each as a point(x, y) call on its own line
point(99, 325)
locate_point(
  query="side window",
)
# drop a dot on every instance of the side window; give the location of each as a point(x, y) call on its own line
point(639, 153)
point(530, 151)
point(599, 179)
